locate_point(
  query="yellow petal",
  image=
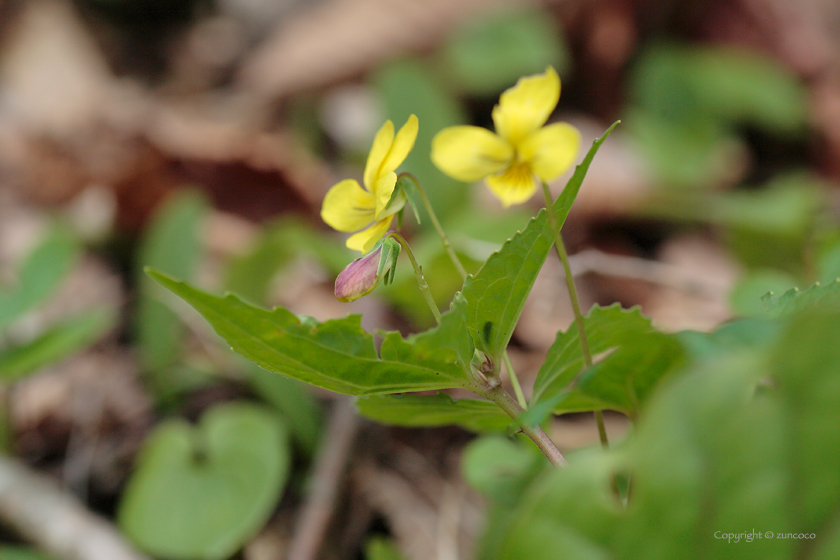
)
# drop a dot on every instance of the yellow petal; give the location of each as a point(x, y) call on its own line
point(403, 143)
point(514, 186)
point(366, 239)
point(378, 151)
point(551, 150)
point(348, 207)
point(526, 106)
point(384, 190)
point(470, 153)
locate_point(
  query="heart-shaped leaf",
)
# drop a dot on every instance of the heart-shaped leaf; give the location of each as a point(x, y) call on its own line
point(200, 492)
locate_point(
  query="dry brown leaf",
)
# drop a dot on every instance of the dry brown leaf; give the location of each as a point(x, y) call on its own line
point(432, 517)
point(342, 38)
point(707, 263)
point(90, 408)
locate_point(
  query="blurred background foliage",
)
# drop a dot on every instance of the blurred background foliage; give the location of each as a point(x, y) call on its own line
point(199, 137)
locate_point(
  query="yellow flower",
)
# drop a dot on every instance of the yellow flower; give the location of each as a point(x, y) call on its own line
point(521, 147)
point(348, 207)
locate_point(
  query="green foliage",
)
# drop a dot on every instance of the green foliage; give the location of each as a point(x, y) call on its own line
point(496, 294)
point(20, 553)
point(57, 343)
point(500, 468)
point(753, 332)
point(745, 298)
point(828, 256)
point(772, 226)
point(490, 53)
point(606, 328)
point(694, 153)
point(747, 441)
point(379, 548)
point(817, 296)
point(199, 493)
point(39, 275)
point(624, 380)
point(336, 355)
point(688, 102)
point(170, 244)
point(719, 83)
point(434, 410)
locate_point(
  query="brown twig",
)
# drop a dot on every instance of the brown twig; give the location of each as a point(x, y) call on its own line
point(673, 276)
point(329, 467)
point(34, 507)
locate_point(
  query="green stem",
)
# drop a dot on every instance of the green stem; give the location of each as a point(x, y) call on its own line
point(418, 272)
point(506, 402)
point(456, 262)
point(560, 247)
point(5, 419)
point(517, 388)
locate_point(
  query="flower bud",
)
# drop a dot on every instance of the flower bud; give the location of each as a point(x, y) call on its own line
point(361, 276)
point(358, 278)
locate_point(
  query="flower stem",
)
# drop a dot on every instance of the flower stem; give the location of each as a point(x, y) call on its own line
point(418, 272)
point(517, 388)
point(456, 262)
point(570, 284)
point(506, 402)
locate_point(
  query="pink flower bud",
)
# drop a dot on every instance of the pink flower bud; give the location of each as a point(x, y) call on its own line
point(358, 278)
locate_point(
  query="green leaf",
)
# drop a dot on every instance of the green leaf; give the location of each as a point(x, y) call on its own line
point(828, 255)
point(59, 342)
point(625, 379)
point(745, 298)
point(818, 296)
point(496, 294)
point(804, 365)
point(39, 275)
point(490, 53)
point(21, 553)
point(379, 548)
point(692, 152)
point(606, 328)
point(500, 468)
point(434, 410)
point(713, 454)
point(719, 83)
point(771, 226)
point(752, 332)
point(200, 493)
point(336, 355)
point(170, 244)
